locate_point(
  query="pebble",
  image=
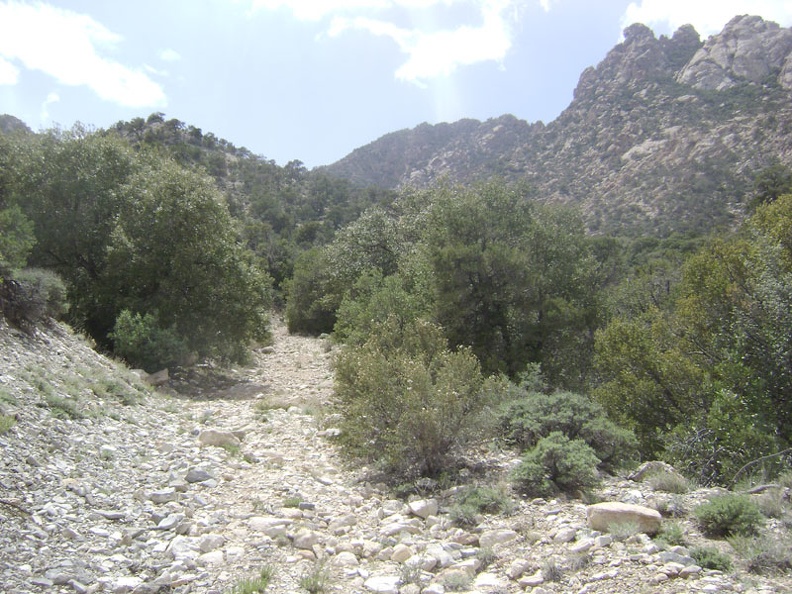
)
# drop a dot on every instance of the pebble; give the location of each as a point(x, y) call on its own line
point(127, 500)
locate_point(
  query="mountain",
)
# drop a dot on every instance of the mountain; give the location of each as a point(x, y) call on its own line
point(664, 135)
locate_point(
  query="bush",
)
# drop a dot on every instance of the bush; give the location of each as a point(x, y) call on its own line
point(31, 297)
point(142, 343)
point(473, 501)
point(534, 416)
point(557, 463)
point(767, 554)
point(711, 558)
point(729, 515)
point(408, 403)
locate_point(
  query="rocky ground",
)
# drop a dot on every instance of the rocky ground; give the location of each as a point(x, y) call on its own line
point(106, 486)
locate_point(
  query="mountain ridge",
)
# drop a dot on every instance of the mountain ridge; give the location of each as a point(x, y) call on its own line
point(664, 133)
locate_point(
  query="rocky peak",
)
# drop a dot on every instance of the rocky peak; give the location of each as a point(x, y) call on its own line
point(749, 49)
point(640, 58)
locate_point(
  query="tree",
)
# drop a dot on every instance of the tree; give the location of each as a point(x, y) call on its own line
point(513, 281)
point(174, 253)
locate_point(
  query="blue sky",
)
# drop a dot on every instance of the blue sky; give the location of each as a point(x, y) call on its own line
point(314, 79)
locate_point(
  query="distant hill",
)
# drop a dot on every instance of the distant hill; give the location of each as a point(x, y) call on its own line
point(665, 135)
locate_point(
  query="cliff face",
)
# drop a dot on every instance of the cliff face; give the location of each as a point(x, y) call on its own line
point(664, 135)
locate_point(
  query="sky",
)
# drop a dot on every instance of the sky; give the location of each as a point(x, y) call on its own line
point(312, 80)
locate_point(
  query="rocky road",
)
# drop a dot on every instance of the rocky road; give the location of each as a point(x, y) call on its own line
point(108, 487)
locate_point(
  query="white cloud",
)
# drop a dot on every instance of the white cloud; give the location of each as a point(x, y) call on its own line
point(9, 74)
point(67, 46)
point(707, 16)
point(169, 55)
point(430, 52)
point(51, 98)
point(314, 10)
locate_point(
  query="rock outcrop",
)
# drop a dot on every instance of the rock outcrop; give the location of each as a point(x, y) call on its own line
point(749, 50)
point(664, 135)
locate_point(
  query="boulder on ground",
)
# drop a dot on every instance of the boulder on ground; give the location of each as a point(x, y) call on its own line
point(602, 516)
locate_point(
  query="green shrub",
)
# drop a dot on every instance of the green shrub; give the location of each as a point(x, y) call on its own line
point(711, 558)
point(526, 420)
point(142, 343)
point(255, 585)
point(473, 501)
point(671, 534)
point(669, 482)
point(728, 515)
point(31, 297)
point(766, 554)
point(557, 463)
point(408, 403)
point(317, 580)
point(6, 423)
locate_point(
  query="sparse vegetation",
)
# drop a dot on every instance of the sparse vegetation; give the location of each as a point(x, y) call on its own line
point(316, 580)
point(6, 423)
point(472, 501)
point(257, 585)
point(765, 554)
point(711, 558)
point(556, 464)
point(728, 515)
point(669, 482)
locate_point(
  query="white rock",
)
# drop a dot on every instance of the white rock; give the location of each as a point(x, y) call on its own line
point(601, 516)
point(212, 558)
point(423, 508)
point(386, 584)
point(346, 559)
point(493, 537)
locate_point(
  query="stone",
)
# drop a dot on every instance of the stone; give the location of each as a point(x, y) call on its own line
point(163, 496)
point(211, 542)
point(423, 508)
point(306, 539)
point(197, 475)
point(490, 538)
point(214, 437)
point(346, 559)
point(211, 558)
point(601, 516)
point(401, 553)
point(565, 535)
point(384, 584)
point(270, 526)
point(158, 378)
point(517, 568)
point(530, 581)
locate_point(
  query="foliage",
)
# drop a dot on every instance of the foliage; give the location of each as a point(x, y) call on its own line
point(311, 305)
point(727, 515)
point(711, 558)
point(256, 585)
point(669, 482)
point(408, 402)
point(6, 423)
point(512, 281)
point(765, 554)
point(524, 421)
point(46, 287)
point(317, 580)
point(16, 239)
point(556, 463)
point(475, 500)
point(143, 343)
point(174, 254)
point(671, 534)
point(31, 297)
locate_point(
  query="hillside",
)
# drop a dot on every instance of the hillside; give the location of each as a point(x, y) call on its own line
point(664, 135)
point(108, 486)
